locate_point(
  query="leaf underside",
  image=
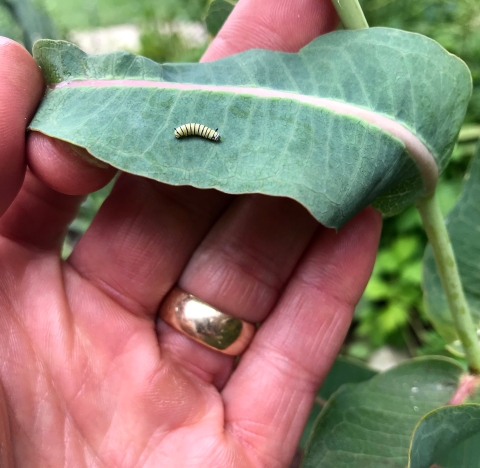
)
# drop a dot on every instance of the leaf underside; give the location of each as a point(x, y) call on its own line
point(333, 163)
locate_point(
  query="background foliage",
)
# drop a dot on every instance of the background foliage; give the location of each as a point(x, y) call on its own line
point(25, 21)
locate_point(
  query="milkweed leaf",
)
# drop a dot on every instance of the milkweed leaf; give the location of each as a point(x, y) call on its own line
point(371, 423)
point(355, 117)
point(441, 432)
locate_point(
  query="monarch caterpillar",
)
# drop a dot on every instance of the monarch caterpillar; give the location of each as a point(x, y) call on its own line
point(196, 130)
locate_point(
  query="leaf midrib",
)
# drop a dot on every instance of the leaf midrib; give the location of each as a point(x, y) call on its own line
point(415, 147)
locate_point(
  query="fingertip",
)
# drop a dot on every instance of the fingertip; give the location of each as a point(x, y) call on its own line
point(5, 41)
point(350, 254)
point(20, 71)
point(66, 168)
point(21, 89)
point(272, 24)
point(367, 226)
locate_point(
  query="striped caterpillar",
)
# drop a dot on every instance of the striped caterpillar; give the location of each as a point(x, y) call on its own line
point(196, 130)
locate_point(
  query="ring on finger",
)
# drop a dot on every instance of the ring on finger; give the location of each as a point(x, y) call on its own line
point(205, 324)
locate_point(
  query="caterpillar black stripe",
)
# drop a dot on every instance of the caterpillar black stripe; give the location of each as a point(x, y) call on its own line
point(196, 129)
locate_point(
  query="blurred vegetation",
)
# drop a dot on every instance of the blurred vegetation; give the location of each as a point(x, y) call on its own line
point(87, 14)
point(168, 46)
point(391, 311)
point(161, 40)
point(26, 21)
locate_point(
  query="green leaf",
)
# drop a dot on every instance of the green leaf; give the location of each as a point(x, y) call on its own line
point(33, 22)
point(404, 248)
point(441, 430)
point(218, 12)
point(463, 225)
point(466, 454)
point(377, 289)
point(8, 26)
point(412, 273)
point(314, 126)
point(370, 424)
point(344, 370)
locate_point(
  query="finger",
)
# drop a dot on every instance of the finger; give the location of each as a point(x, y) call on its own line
point(31, 214)
point(241, 268)
point(6, 450)
point(21, 89)
point(243, 264)
point(39, 216)
point(141, 239)
point(269, 396)
point(66, 168)
point(124, 251)
point(272, 24)
point(36, 215)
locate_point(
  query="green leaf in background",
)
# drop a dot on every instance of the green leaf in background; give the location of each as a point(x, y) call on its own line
point(218, 12)
point(370, 424)
point(466, 454)
point(441, 430)
point(34, 23)
point(343, 371)
point(292, 125)
point(463, 225)
point(8, 26)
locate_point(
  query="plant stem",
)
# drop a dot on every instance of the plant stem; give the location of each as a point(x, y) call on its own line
point(351, 14)
point(437, 234)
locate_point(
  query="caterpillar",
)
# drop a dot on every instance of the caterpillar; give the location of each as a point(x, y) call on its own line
point(196, 130)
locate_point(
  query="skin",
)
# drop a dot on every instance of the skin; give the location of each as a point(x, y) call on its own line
point(90, 377)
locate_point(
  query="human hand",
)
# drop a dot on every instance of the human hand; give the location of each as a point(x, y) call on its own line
point(89, 376)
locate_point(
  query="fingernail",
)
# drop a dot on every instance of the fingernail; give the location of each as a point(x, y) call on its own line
point(4, 40)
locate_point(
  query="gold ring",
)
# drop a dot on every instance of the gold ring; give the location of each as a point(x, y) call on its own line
point(196, 319)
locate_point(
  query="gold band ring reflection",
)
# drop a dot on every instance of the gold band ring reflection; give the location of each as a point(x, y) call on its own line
point(196, 319)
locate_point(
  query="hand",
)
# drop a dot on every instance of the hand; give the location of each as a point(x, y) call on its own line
point(90, 379)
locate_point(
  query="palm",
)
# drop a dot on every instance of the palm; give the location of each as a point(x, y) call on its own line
point(88, 385)
point(90, 378)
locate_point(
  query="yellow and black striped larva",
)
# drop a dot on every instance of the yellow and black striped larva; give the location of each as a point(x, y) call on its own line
point(195, 129)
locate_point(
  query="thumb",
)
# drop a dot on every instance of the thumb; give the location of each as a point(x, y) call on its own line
point(21, 89)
